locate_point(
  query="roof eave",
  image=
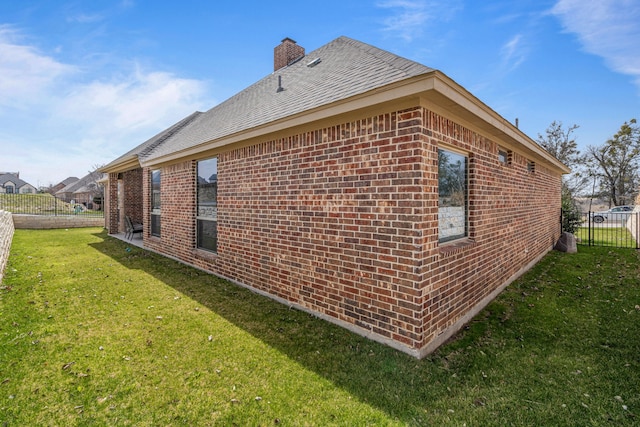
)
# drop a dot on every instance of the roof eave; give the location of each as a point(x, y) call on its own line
point(123, 165)
point(434, 88)
point(395, 91)
point(457, 100)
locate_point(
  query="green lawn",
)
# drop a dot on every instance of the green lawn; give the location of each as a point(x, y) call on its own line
point(618, 237)
point(96, 332)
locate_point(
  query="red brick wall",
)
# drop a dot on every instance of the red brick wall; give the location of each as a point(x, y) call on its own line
point(343, 221)
point(111, 207)
point(514, 217)
point(177, 211)
point(133, 199)
point(323, 219)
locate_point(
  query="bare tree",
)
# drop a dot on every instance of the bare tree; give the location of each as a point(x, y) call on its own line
point(561, 144)
point(616, 164)
point(95, 188)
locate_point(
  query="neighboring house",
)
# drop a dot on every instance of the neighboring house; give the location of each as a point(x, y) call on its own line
point(10, 183)
point(59, 186)
point(82, 191)
point(367, 189)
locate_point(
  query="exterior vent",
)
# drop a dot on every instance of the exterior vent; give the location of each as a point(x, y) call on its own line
point(280, 88)
point(314, 62)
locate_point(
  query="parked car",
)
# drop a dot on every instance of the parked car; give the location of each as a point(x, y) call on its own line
point(616, 213)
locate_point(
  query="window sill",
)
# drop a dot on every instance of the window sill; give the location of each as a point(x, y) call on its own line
point(205, 255)
point(456, 246)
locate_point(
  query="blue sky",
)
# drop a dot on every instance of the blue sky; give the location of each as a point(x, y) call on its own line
point(82, 82)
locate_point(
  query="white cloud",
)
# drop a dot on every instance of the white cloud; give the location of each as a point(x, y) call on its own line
point(513, 52)
point(105, 119)
point(26, 73)
point(136, 101)
point(408, 18)
point(83, 18)
point(127, 4)
point(57, 120)
point(609, 29)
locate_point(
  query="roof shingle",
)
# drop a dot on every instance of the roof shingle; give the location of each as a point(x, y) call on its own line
point(147, 147)
point(347, 68)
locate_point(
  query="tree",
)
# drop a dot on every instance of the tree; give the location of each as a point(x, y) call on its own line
point(94, 188)
point(561, 144)
point(616, 164)
point(571, 215)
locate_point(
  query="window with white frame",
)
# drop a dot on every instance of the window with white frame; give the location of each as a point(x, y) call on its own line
point(207, 215)
point(452, 195)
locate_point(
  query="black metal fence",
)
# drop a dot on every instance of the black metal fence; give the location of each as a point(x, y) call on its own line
point(46, 204)
point(619, 230)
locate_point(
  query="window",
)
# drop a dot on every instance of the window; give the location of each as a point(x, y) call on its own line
point(9, 189)
point(207, 216)
point(155, 202)
point(452, 196)
point(503, 155)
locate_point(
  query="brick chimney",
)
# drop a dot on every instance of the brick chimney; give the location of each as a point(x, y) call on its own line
point(286, 53)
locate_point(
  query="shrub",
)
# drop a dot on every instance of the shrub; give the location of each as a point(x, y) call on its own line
point(571, 215)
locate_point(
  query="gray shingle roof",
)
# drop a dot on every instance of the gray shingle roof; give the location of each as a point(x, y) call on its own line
point(347, 68)
point(19, 183)
point(85, 181)
point(146, 147)
point(69, 180)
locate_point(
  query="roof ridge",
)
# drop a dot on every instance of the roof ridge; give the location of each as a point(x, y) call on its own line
point(383, 55)
point(168, 133)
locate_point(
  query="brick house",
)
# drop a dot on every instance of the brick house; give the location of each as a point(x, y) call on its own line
point(367, 189)
point(82, 191)
point(62, 184)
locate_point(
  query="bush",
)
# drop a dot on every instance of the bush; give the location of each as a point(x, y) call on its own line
point(571, 215)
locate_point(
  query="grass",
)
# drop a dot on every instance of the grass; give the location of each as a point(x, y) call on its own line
point(95, 332)
point(618, 237)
